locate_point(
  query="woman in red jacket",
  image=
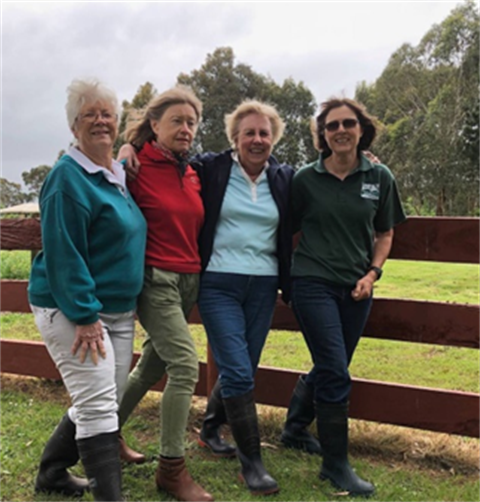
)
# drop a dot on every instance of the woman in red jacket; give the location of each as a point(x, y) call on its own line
point(167, 190)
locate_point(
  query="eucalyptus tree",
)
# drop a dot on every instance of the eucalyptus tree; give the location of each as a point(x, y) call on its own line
point(222, 84)
point(427, 100)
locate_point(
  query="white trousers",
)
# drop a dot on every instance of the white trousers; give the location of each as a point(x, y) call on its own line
point(95, 390)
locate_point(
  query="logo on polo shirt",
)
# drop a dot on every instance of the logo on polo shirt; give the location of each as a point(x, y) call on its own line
point(370, 191)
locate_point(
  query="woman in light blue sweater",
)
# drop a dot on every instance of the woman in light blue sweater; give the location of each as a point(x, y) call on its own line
point(83, 290)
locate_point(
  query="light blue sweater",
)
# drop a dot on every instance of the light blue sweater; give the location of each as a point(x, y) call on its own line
point(246, 234)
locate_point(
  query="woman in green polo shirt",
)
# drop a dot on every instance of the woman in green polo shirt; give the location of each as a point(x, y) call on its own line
point(346, 207)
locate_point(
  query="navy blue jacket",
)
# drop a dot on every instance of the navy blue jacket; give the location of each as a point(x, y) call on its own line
point(214, 172)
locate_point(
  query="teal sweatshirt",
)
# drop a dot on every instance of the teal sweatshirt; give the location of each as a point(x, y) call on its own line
point(93, 237)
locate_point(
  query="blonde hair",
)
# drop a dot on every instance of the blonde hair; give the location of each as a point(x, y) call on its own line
point(80, 92)
point(140, 132)
point(249, 107)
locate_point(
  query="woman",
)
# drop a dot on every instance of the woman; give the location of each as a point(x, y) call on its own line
point(245, 246)
point(83, 290)
point(167, 190)
point(245, 192)
point(346, 208)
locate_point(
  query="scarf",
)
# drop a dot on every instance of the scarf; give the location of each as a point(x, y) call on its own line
point(178, 159)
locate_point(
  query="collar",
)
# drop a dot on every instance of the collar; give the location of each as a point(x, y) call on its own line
point(245, 174)
point(117, 177)
point(364, 165)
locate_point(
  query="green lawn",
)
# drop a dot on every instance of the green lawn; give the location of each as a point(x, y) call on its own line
point(417, 466)
point(447, 282)
point(405, 464)
point(428, 365)
point(15, 264)
point(434, 281)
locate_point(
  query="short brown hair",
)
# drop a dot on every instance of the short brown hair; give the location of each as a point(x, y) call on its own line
point(368, 123)
point(140, 132)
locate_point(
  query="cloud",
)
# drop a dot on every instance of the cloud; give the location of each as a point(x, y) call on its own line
point(124, 45)
point(330, 46)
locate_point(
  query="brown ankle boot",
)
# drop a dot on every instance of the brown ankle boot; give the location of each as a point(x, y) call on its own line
point(128, 455)
point(173, 477)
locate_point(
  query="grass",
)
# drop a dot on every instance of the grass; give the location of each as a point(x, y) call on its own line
point(434, 281)
point(405, 464)
point(15, 264)
point(428, 365)
point(418, 466)
point(431, 366)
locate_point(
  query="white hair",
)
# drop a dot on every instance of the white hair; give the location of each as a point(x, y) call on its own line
point(80, 92)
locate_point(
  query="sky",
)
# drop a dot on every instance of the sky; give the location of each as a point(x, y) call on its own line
point(330, 46)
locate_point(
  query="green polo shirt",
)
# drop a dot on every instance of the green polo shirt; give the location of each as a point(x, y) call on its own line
point(338, 219)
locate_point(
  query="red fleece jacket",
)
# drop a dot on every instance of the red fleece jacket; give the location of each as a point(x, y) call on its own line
point(173, 208)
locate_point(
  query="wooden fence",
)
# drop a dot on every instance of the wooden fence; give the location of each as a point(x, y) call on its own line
point(423, 239)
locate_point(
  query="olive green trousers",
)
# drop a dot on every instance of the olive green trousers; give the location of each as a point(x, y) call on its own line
point(163, 308)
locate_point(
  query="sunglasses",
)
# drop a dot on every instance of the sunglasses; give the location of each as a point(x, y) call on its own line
point(334, 125)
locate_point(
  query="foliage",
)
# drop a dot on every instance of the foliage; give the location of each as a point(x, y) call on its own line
point(34, 179)
point(427, 99)
point(11, 193)
point(296, 106)
point(469, 133)
point(15, 264)
point(222, 85)
point(131, 110)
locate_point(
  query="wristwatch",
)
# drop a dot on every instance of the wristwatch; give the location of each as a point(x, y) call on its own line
point(377, 270)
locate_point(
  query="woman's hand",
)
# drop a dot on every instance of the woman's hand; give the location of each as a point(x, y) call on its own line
point(89, 336)
point(128, 155)
point(371, 157)
point(364, 287)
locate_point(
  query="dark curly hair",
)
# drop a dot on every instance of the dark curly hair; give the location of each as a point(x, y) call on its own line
point(368, 123)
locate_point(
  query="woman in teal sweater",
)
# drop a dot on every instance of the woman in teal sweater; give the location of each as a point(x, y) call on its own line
point(83, 291)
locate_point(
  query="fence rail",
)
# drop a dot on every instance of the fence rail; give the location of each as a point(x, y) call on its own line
point(429, 239)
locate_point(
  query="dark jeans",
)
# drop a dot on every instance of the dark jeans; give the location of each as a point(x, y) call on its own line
point(332, 323)
point(237, 311)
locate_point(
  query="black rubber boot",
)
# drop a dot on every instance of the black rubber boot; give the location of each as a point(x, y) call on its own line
point(332, 423)
point(60, 453)
point(242, 417)
point(101, 459)
point(301, 413)
point(215, 417)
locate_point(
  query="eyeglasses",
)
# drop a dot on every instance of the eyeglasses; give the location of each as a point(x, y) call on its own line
point(92, 116)
point(334, 125)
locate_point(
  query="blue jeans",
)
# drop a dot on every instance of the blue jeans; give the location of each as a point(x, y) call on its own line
point(332, 323)
point(237, 311)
